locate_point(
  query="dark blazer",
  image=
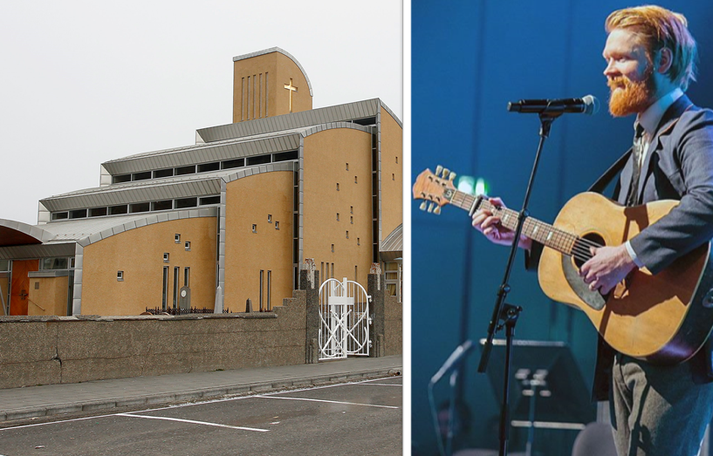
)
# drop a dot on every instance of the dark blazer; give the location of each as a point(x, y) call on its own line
point(678, 165)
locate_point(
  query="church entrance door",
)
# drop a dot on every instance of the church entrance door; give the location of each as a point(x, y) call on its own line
point(20, 285)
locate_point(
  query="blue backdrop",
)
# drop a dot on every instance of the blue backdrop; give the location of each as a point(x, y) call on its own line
point(469, 58)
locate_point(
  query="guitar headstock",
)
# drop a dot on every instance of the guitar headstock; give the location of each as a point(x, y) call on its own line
point(435, 189)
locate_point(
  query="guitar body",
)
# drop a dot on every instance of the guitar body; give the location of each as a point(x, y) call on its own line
point(663, 318)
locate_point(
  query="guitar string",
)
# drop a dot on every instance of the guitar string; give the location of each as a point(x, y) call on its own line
point(580, 249)
point(579, 244)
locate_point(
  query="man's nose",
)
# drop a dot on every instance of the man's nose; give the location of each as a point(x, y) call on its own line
point(610, 69)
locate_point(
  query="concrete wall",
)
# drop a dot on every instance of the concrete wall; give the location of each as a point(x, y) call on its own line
point(393, 326)
point(387, 319)
point(43, 350)
point(49, 350)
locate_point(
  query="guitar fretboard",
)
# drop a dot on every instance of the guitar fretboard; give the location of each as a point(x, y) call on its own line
point(534, 229)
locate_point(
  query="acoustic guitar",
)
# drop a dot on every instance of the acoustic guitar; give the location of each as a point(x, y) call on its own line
point(663, 318)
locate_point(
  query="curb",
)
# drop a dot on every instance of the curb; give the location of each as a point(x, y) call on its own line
point(208, 393)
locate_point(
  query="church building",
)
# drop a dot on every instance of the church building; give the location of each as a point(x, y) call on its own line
point(229, 218)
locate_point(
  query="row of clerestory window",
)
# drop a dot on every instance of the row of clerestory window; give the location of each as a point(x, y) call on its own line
point(206, 167)
point(165, 205)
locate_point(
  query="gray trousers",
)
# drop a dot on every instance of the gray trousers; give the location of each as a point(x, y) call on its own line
point(658, 410)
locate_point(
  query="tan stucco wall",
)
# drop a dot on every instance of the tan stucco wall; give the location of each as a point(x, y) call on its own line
point(391, 174)
point(48, 296)
point(139, 253)
point(279, 69)
point(249, 201)
point(326, 155)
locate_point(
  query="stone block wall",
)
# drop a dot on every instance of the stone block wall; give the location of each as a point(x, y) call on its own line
point(387, 321)
point(43, 350)
point(50, 350)
point(393, 326)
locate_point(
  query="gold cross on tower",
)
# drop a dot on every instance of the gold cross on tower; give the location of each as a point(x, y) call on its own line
point(291, 88)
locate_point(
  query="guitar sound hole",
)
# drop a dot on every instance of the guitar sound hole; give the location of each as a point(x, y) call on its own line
point(583, 246)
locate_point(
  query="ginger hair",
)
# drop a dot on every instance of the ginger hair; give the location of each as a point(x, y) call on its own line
point(657, 28)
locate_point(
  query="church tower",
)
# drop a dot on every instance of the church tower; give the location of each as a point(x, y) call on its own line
point(269, 83)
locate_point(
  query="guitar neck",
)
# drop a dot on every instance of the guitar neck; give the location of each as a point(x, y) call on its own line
point(534, 229)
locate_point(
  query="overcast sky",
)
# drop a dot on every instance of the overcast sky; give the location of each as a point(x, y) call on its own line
point(83, 82)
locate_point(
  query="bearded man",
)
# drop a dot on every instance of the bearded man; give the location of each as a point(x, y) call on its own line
point(650, 55)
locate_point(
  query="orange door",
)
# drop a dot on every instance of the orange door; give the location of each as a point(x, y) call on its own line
point(20, 288)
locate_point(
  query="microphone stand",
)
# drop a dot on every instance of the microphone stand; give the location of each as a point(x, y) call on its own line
point(453, 363)
point(508, 313)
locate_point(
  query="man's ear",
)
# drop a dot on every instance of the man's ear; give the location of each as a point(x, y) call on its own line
point(664, 60)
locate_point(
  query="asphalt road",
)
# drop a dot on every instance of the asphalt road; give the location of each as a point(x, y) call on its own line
point(363, 418)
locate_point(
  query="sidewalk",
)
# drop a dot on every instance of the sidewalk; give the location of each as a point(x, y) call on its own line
point(75, 398)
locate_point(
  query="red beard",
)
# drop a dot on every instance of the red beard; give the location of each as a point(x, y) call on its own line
point(630, 97)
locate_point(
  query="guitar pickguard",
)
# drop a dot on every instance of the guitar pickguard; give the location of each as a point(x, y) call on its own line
point(593, 299)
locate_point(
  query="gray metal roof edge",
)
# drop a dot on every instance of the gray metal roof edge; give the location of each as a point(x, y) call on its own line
point(31, 230)
point(283, 52)
point(115, 166)
point(317, 116)
point(387, 109)
point(151, 153)
point(259, 169)
point(394, 239)
point(149, 220)
point(33, 251)
point(131, 195)
point(149, 183)
point(334, 125)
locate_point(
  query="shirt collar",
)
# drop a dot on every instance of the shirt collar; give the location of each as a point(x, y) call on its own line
point(650, 118)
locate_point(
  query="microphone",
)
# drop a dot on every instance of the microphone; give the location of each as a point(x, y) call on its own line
point(585, 105)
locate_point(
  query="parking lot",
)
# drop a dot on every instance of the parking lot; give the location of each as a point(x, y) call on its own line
point(344, 419)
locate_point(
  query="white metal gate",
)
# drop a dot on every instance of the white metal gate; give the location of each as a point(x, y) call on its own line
point(344, 315)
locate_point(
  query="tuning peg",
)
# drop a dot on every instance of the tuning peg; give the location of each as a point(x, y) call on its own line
point(423, 206)
point(430, 208)
point(437, 210)
point(446, 172)
point(439, 168)
point(452, 176)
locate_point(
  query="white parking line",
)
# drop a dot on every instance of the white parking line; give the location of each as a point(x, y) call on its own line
point(212, 401)
point(270, 394)
point(323, 400)
point(204, 423)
